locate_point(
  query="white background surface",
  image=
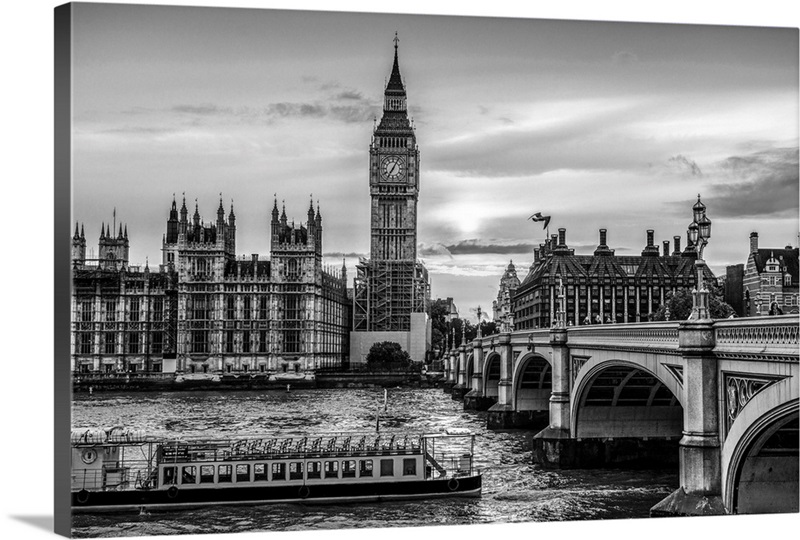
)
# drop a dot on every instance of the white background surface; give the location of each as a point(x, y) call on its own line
point(26, 303)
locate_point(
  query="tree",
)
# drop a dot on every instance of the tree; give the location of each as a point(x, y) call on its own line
point(681, 301)
point(388, 354)
point(440, 309)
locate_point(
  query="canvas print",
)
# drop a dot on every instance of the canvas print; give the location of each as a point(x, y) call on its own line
point(347, 270)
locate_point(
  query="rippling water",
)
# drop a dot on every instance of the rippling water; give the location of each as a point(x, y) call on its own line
point(514, 490)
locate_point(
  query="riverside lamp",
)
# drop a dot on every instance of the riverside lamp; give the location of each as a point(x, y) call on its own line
point(699, 233)
point(562, 311)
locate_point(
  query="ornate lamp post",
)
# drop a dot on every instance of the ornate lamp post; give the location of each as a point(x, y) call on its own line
point(560, 321)
point(699, 234)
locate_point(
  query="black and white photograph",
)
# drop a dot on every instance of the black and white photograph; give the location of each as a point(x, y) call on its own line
point(342, 270)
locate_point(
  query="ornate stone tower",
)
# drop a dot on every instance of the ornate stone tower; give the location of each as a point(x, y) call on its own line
point(394, 177)
point(296, 266)
point(113, 250)
point(78, 247)
point(391, 289)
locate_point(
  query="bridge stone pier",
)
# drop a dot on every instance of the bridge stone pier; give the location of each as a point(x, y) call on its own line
point(716, 399)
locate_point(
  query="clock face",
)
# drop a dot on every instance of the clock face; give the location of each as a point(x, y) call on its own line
point(392, 168)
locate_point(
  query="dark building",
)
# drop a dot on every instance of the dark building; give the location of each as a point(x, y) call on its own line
point(602, 287)
point(733, 288)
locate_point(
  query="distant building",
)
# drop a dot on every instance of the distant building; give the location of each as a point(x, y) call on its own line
point(452, 310)
point(207, 311)
point(502, 309)
point(733, 288)
point(391, 300)
point(770, 282)
point(602, 287)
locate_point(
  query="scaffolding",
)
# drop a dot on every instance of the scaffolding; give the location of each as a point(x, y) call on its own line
point(387, 293)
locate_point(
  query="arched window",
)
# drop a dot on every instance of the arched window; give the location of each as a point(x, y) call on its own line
point(292, 271)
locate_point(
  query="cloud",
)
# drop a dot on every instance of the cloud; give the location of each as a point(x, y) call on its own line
point(474, 246)
point(606, 140)
point(339, 255)
point(624, 58)
point(204, 109)
point(357, 110)
point(432, 250)
point(140, 130)
point(685, 165)
point(760, 184)
point(350, 94)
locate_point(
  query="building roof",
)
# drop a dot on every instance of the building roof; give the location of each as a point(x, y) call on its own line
point(788, 254)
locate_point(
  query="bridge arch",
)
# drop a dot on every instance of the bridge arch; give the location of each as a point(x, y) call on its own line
point(533, 383)
point(470, 364)
point(491, 375)
point(760, 454)
point(622, 399)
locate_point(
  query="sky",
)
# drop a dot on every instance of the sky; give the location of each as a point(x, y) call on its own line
point(597, 124)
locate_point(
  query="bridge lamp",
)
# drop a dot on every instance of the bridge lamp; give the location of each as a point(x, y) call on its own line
point(699, 234)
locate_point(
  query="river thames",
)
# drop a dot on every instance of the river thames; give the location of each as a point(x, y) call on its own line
point(514, 490)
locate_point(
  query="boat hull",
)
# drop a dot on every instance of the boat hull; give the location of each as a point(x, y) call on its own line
point(176, 498)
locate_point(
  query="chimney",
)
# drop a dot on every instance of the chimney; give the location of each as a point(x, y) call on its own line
point(553, 241)
point(602, 248)
point(562, 237)
point(753, 242)
point(666, 248)
point(650, 250)
point(677, 240)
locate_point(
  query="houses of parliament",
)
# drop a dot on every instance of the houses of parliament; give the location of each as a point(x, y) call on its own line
point(205, 310)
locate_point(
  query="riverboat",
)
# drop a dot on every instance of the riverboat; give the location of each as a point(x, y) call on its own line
point(119, 470)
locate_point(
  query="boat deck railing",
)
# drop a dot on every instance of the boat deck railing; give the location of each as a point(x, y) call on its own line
point(289, 447)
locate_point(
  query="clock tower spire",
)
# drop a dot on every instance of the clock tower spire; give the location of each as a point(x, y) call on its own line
point(394, 176)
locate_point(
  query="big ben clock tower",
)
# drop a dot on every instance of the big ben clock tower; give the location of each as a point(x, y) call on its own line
point(394, 177)
point(391, 291)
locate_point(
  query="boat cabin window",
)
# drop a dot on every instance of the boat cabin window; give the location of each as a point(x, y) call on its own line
point(296, 470)
point(170, 476)
point(331, 469)
point(365, 467)
point(349, 468)
point(206, 474)
point(410, 467)
point(387, 467)
point(260, 472)
point(243, 473)
point(189, 475)
point(225, 473)
point(313, 469)
point(279, 471)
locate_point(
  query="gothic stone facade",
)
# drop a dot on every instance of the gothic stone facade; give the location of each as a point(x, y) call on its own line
point(501, 306)
point(207, 311)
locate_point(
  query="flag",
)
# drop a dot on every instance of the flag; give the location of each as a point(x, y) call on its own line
point(537, 217)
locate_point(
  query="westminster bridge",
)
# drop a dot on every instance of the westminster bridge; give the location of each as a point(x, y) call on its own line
point(717, 398)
